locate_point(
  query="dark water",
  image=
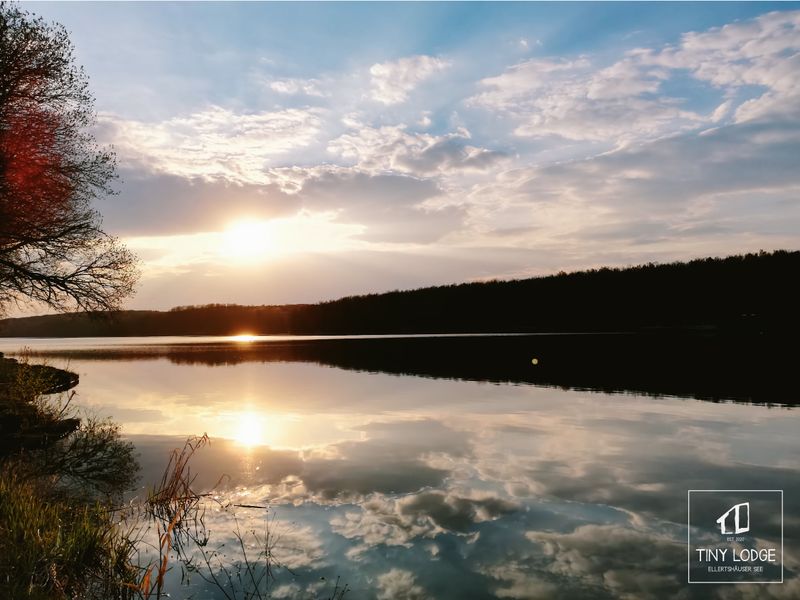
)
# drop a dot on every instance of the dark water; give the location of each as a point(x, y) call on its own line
point(458, 468)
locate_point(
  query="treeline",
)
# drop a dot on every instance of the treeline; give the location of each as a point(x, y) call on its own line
point(738, 368)
point(751, 292)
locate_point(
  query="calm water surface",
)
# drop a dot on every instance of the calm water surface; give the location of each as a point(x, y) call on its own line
point(424, 487)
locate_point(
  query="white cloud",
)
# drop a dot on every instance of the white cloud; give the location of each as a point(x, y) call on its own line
point(574, 100)
point(762, 52)
point(504, 91)
point(216, 143)
point(291, 86)
point(394, 148)
point(392, 81)
point(625, 101)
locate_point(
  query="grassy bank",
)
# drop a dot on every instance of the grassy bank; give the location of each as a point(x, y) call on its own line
point(54, 546)
point(60, 477)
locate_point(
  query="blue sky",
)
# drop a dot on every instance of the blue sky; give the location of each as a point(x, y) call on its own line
point(294, 152)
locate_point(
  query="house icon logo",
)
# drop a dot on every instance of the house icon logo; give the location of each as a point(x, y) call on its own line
point(740, 515)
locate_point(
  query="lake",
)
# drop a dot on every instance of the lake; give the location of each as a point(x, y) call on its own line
point(458, 467)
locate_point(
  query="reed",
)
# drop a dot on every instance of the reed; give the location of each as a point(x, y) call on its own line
point(179, 511)
point(52, 547)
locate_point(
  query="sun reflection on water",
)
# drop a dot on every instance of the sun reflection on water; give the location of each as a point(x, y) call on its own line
point(243, 337)
point(251, 430)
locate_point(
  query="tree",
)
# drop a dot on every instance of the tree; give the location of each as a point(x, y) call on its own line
point(52, 248)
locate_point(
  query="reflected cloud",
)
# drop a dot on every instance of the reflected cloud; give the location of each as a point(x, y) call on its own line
point(627, 563)
point(477, 490)
point(400, 521)
point(398, 584)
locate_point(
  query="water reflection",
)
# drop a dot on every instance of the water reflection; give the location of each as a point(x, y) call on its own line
point(519, 505)
point(413, 487)
point(243, 338)
point(742, 368)
point(250, 430)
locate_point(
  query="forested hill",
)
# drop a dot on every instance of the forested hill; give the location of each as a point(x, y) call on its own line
point(753, 292)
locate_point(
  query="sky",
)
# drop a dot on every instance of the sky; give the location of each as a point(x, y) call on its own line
point(297, 152)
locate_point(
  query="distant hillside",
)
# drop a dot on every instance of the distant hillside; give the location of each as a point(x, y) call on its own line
point(753, 292)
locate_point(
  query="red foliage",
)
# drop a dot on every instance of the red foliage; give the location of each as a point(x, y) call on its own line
point(36, 190)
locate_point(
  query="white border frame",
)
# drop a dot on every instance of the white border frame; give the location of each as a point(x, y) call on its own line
point(689, 539)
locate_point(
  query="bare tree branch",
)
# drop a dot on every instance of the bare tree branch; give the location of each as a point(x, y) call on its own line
point(52, 248)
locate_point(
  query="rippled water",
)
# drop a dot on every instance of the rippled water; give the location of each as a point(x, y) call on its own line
point(410, 486)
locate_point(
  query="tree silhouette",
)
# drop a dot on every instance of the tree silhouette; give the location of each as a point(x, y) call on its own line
point(751, 294)
point(52, 248)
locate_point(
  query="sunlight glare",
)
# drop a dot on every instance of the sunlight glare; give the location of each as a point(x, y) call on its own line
point(244, 338)
point(251, 430)
point(248, 240)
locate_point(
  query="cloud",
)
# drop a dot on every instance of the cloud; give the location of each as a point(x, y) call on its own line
point(733, 187)
point(629, 101)
point(518, 82)
point(216, 143)
point(292, 86)
point(392, 81)
point(732, 54)
point(394, 148)
point(158, 203)
point(762, 52)
point(674, 174)
point(398, 584)
point(387, 207)
point(392, 207)
point(574, 100)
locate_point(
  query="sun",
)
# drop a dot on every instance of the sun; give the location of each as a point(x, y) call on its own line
point(247, 241)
